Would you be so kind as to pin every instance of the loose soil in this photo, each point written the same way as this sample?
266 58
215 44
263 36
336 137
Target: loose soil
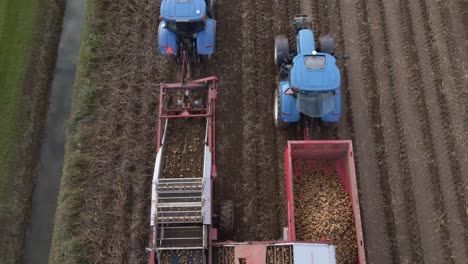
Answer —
404 107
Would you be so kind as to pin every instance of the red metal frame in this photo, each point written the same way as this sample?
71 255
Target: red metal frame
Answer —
186 83
342 152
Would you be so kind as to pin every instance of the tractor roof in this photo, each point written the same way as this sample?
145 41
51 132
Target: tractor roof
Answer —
315 72
183 10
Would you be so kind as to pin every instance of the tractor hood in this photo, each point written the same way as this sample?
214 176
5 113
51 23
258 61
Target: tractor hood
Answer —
183 10
315 73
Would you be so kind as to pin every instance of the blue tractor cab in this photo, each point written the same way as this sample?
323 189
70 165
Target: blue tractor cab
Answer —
310 80
187 25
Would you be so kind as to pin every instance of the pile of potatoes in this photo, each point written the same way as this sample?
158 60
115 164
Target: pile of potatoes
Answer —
283 255
322 208
183 256
223 255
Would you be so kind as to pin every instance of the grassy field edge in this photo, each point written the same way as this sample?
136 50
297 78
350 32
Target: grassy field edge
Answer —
27 111
16 41
66 244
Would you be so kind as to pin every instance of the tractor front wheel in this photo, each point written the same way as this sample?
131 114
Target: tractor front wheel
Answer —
279 124
210 8
281 51
327 44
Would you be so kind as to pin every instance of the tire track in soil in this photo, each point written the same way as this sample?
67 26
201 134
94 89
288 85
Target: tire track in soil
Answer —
284 11
250 118
398 184
227 65
379 248
440 123
269 226
345 126
452 93
249 155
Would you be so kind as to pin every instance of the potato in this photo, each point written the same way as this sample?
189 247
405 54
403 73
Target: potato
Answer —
323 209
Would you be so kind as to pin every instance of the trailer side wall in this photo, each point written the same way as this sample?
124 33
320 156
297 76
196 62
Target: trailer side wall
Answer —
341 151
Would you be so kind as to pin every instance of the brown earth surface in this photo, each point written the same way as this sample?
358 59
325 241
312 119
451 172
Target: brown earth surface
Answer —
405 108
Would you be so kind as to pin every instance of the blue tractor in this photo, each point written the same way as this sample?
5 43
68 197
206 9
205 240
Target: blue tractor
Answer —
309 85
187 26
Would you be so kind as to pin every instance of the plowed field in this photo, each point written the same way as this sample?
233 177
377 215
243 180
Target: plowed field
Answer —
405 103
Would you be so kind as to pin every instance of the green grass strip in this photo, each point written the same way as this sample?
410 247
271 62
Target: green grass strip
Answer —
17 24
67 246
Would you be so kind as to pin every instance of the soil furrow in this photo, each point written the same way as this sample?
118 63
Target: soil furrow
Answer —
420 95
369 62
379 247
453 50
405 239
226 64
415 137
123 192
453 99
123 112
269 226
439 120
98 236
140 175
249 155
345 127
284 12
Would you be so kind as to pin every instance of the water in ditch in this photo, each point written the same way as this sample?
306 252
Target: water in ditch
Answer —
44 200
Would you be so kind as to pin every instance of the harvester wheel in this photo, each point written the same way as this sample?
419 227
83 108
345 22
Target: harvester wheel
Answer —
327 44
281 51
279 124
226 220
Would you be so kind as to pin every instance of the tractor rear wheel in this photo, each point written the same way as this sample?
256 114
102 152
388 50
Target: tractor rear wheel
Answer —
281 51
279 124
327 44
226 220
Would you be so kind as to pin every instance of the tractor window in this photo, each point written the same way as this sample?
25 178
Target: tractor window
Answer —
314 62
315 104
182 28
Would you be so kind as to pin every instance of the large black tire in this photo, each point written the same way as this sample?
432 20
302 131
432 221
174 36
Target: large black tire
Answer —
327 44
279 124
210 8
281 51
226 220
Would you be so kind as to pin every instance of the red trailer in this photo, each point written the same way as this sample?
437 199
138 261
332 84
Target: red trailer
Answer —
339 151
